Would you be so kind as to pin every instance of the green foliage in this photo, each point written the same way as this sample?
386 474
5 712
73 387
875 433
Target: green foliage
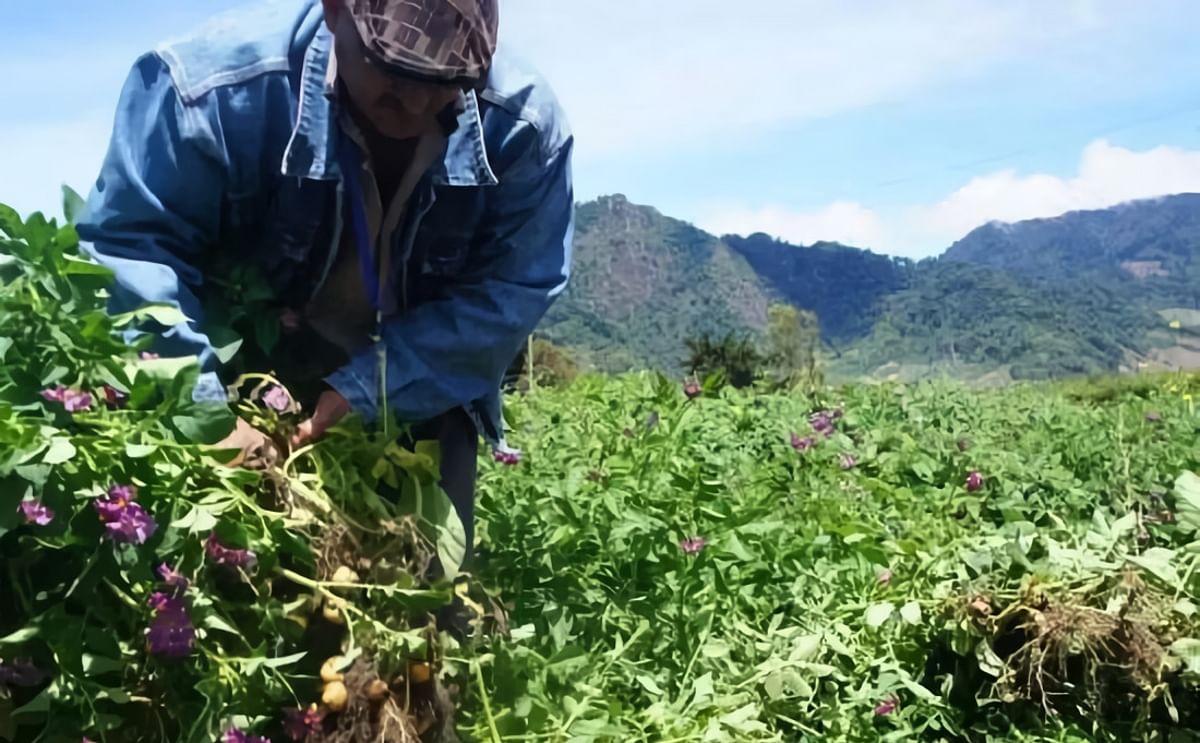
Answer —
877 602
842 285
820 565
1038 299
642 282
82 412
1160 236
792 342
965 314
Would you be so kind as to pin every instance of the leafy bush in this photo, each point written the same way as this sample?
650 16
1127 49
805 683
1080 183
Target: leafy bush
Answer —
791 344
733 358
552 367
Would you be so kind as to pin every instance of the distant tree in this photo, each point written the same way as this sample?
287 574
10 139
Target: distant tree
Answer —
733 357
552 367
792 342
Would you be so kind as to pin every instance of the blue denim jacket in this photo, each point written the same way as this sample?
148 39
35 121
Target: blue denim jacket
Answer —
224 141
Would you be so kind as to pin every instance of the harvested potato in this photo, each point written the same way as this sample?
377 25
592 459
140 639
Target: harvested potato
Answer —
332 611
418 672
335 696
377 690
329 672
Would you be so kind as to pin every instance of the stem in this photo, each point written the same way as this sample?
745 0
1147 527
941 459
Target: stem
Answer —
124 597
529 359
1182 587
18 589
307 493
323 586
86 569
487 704
687 674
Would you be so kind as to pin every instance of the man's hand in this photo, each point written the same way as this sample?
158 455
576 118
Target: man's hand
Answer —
331 408
256 450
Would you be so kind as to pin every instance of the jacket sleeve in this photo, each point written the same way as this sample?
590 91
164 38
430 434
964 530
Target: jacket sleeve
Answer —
155 208
454 350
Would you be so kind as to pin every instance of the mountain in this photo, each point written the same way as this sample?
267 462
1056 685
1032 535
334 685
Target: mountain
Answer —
1084 292
844 286
973 320
1148 249
642 282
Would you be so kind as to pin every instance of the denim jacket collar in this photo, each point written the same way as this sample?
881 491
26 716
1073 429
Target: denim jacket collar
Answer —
310 152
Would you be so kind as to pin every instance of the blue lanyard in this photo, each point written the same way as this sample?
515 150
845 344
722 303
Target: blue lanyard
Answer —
351 164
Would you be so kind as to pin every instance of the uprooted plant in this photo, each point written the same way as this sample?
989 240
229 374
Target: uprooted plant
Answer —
150 592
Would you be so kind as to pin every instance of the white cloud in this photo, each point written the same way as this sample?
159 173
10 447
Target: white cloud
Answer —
1108 174
663 76
842 221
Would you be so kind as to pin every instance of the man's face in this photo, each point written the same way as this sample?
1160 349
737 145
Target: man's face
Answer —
395 107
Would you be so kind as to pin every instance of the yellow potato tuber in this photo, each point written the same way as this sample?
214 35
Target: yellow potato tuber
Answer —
345 575
418 672
332 611
377 690
329 670
335 696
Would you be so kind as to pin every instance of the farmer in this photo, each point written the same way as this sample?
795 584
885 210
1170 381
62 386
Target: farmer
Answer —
403 189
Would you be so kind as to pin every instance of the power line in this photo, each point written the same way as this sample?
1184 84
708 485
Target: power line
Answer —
978 162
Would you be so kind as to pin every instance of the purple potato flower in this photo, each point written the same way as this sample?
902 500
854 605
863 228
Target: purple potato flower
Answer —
73 400
848 462
124 520
173 578
36 513
974 481
887 707
148 356
55 394
227 556
692 545
170 633
821 423
113 504
20 672
133 526
825 422
803 444
277 399
509 458
299 723
692 389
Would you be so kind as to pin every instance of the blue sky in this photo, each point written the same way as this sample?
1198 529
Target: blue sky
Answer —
896 126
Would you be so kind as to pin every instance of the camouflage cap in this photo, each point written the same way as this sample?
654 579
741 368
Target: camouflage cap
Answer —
438 40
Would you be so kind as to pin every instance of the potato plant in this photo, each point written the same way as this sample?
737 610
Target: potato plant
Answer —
666 560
